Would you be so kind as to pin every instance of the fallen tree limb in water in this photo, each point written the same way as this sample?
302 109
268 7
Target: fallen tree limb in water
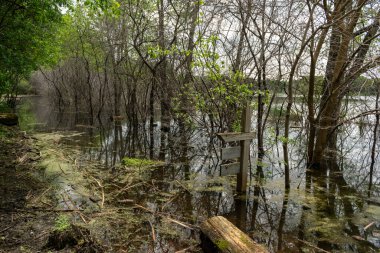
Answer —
227 238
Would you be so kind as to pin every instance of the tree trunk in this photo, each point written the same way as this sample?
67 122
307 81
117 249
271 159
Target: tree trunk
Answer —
341 70
162 78
373 150
151 120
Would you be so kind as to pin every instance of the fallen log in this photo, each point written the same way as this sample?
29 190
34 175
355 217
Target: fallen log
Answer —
220 235
8 119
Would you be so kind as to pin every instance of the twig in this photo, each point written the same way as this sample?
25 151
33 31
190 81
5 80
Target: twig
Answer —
22 159
153 233
5 229
169 201
166 217
82 217
184 250
59 155
125 201
43 202
40 196
179 223
59 165
102 188
41 235
369 226
144 208
33 210
128 187
371 112
313 246
184 187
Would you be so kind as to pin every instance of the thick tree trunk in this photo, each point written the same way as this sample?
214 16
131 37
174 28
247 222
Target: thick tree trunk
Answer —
341 70
328 106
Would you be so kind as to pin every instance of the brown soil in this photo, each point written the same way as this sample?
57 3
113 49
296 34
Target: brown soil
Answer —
27 213
20 229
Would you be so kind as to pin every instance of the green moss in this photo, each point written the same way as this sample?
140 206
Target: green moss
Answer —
244 239
138 162
62 223
221 244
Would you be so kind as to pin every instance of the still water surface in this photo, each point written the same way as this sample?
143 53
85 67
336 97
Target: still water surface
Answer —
320 213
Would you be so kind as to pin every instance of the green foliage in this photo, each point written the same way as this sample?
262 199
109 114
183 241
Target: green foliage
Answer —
4 107
236 127
62 223
24 87
224 92
103 7
27 38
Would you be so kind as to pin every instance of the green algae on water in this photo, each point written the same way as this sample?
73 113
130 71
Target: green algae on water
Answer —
139 162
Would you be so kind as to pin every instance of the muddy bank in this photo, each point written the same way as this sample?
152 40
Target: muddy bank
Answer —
53 200
23 228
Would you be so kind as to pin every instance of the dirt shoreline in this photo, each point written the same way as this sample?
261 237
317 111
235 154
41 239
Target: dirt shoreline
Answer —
30 211
23 229
52 200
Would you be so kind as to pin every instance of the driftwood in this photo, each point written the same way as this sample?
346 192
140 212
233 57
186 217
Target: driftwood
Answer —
8 119
220 235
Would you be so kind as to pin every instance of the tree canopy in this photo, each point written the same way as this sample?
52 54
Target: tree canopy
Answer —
27 31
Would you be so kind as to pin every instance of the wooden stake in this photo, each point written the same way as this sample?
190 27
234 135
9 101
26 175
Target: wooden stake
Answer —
244 151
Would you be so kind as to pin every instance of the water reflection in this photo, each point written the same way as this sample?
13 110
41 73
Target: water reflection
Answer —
323 211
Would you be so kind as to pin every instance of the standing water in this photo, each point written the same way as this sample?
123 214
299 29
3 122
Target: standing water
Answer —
158 206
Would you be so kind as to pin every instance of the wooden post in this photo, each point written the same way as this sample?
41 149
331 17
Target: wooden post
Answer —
244 150
225 237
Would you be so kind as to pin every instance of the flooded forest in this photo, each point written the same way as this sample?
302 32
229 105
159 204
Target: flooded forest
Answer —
129 125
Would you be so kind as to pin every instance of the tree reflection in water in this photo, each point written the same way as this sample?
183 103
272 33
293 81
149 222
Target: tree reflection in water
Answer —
324 211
